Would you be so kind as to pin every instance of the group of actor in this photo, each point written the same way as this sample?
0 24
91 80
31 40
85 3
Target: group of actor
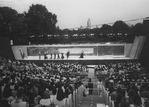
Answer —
53 55
58 55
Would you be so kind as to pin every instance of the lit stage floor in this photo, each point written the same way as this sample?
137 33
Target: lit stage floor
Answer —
106 57
87 60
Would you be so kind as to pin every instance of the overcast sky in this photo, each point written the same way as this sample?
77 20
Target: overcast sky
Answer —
74 13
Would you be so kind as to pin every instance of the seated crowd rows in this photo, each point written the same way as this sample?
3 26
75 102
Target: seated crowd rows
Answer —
127 83
25 84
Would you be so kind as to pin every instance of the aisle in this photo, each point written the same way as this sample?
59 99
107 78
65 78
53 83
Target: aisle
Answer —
91 73
94 98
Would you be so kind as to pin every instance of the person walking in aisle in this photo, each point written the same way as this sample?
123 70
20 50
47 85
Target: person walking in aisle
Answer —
90 85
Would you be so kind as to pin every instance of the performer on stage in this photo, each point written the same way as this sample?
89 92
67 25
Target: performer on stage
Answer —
45 55
82 55
39 55
58 57
23 55
54 55
67 54
50 55
62 55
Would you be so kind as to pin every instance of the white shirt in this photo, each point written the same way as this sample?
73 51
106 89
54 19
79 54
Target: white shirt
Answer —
45 102
60 103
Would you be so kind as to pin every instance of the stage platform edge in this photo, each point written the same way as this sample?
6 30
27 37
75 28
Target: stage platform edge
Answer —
86 61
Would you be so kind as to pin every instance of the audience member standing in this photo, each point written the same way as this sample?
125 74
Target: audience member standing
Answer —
60 98
99 86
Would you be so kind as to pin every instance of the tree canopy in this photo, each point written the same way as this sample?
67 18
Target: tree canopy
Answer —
120 26
7 18
37 21
38 25
40 21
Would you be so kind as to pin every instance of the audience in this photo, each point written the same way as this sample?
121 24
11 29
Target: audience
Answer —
18 102
24 84
130 80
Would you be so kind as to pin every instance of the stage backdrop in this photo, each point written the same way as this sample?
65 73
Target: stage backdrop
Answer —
111 50
74 50
88 49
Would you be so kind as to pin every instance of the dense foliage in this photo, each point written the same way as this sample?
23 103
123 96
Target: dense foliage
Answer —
38 26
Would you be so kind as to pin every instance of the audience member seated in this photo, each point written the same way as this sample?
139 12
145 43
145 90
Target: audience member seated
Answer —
18 102
130 77
123 80
45 99
59 78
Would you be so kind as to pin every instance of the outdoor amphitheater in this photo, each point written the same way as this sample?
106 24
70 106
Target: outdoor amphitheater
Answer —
106 70
74 53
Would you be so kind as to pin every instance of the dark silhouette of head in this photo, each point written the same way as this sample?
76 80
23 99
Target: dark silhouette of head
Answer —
20 93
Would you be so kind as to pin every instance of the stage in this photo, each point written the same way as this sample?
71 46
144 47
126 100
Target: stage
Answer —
88 60
94 54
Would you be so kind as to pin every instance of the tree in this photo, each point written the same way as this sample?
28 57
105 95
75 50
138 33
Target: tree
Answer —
106 28
40 21
120 26
139 29
7 18
19 29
